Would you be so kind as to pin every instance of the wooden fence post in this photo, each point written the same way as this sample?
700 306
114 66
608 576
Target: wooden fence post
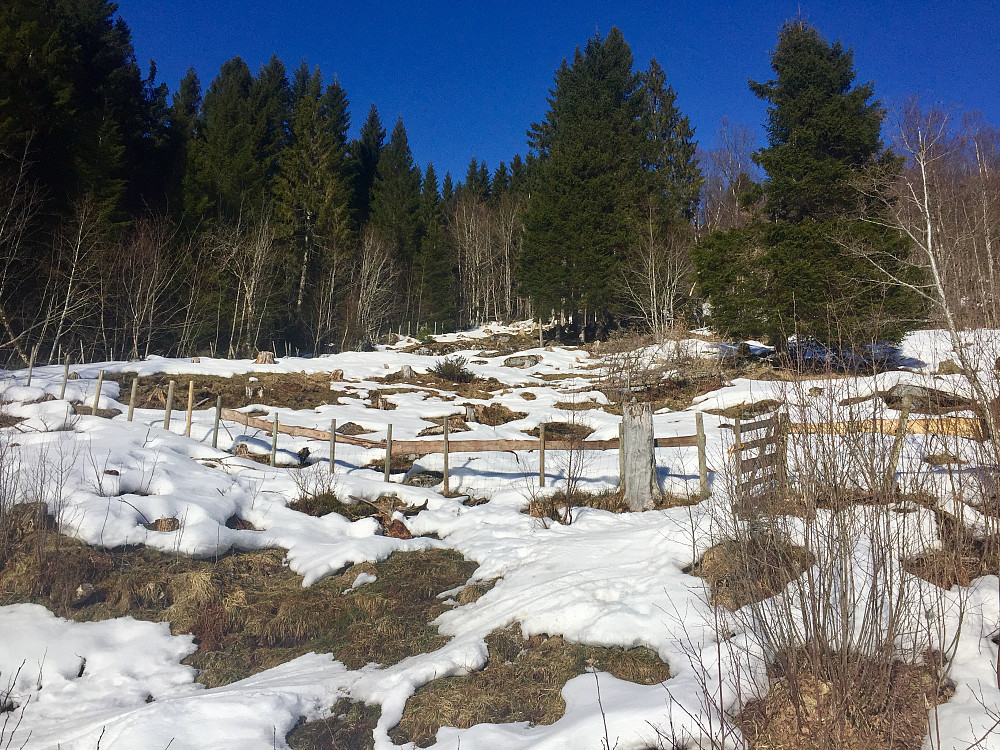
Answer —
699 421
782 448
388 451
169 406
737 448
541 455
132 397
621 457
190 409
897 443
62 391
641 486
445 434
333 445
218 415
274 439
97 393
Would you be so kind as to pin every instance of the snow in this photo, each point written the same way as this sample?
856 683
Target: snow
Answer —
606 579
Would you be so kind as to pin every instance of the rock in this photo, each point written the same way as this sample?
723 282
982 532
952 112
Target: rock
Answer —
424 479
925 400
522 361
83 594
264 358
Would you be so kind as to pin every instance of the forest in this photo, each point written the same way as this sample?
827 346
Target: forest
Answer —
240 216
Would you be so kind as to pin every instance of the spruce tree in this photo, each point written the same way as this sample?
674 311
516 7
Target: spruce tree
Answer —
793 271
434 269
365 152
585 189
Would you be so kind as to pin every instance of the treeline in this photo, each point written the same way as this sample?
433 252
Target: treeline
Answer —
222 219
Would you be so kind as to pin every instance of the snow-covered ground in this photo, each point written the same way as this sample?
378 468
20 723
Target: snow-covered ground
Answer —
606 579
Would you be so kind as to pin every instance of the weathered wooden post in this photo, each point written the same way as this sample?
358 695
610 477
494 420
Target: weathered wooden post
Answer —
97 393
388 452
699 421
445 434
541 335
218 415
621 459
470 413
541 455
737 448
333 445
642 489
190 409
897 443
132 397
784 427
62 391
169 406
274 439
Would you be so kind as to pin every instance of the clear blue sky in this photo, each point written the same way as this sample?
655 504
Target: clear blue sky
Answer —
469 76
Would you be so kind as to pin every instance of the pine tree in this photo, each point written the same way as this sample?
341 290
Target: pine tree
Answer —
365 152
585 189
434 272
793 271
183 118
500 182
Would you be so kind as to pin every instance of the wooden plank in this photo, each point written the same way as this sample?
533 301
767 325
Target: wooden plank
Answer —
677 441
764 460
760 424
964 427
763 442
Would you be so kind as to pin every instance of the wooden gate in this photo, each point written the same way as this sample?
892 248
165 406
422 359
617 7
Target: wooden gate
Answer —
760 455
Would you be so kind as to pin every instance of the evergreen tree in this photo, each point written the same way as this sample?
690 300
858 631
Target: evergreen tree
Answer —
396 199
477 180
500 182
793 271
447 189
183 118
435 262
312 190
669 150
518 175
365 152
583 197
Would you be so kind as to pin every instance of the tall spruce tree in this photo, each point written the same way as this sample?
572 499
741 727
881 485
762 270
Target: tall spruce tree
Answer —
793 271
587 180
312 190
435 280
365 152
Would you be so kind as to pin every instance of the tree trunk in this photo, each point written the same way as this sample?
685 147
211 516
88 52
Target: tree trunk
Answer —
642 489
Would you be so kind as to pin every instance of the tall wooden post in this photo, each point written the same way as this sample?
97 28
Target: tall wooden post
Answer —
218 415
446 454
699 421
169 406
62 391
274 439
621 458
897 443
97 393
784 427
132 397
642 489
388 451
333 445
31 361
190 409
541 455
737 448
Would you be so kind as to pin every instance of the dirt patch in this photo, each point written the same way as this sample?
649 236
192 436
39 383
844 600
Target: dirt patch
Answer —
247 611
350 728
747 411
286 390
750 570
326 502
494 415
563 431
522 681
809 713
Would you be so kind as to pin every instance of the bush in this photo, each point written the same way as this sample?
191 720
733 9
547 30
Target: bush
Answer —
453 369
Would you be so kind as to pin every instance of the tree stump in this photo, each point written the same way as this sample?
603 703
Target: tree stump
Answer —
406 373
642 488
264 358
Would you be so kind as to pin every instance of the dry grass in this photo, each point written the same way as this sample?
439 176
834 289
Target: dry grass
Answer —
350 728
563 431
495 415
286 390
522 681
747 411
750 570
327 502
807 715
248 612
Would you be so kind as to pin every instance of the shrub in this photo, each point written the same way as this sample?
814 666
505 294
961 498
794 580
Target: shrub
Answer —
453 369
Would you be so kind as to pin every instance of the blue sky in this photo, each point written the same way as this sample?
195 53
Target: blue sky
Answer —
469 77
